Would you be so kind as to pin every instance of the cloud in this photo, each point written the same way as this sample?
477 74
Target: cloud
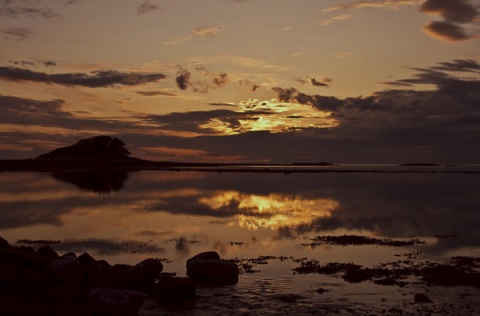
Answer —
46 63
458 11
207 31
314 82
453 13
199 32
147 7
446 31
250 84
464 65
18 33
156 93
335 19
407 121
214 80
97 79
183 78
382 4
26 8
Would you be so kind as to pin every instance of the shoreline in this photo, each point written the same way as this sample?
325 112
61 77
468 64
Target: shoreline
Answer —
134 165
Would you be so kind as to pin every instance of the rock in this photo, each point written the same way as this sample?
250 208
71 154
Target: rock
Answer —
97 276
204 255
67 271
70 255
47 252
288 298
80 310
25 249
63 293
8 273
24 259
115 302
86 259
33 283
146 271
213 271
120 278
177 288
422 298
104 263
4 244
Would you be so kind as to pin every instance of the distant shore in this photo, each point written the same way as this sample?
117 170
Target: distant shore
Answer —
135 164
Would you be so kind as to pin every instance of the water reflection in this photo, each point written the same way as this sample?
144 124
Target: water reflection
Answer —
96 181
272 211
217 208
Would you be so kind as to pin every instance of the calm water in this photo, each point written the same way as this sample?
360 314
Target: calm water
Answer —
125 218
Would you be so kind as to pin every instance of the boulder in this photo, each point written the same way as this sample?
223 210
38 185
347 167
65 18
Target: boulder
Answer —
24 259
213 271
115 302
148 269
86 259
176 288
8 273
120 278
67 271
204 255
47 252
97 276
4 244
64 293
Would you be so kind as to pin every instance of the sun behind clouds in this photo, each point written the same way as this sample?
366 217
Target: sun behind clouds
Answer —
272 116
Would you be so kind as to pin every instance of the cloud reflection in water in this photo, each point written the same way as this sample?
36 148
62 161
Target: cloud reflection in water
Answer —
270 211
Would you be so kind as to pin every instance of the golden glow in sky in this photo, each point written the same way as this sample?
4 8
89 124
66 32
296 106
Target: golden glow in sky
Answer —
272 116
170 78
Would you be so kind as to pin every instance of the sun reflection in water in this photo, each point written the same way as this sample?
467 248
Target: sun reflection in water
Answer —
270 211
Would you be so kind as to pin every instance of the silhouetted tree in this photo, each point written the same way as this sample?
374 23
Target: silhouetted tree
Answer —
98 147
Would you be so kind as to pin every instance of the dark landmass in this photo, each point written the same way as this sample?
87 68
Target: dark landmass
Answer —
108 154
354 240
420 165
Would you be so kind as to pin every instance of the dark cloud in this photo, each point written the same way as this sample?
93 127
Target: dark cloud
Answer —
192 121
435 120
447 31
183 78
458 11
218 79
454 13
156 93
46 63
147 7
215 80
396 84
27 8
18 33
224 104
97 79
467 65
315 83
253 86
22 63
51 113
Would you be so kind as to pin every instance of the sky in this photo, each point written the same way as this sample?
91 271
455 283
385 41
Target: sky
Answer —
244 81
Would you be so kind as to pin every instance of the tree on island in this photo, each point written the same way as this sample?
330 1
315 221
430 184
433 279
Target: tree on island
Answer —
98 147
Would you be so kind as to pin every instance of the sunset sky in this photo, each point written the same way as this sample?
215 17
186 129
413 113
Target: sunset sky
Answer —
372 81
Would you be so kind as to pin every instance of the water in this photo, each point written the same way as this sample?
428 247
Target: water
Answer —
127 217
